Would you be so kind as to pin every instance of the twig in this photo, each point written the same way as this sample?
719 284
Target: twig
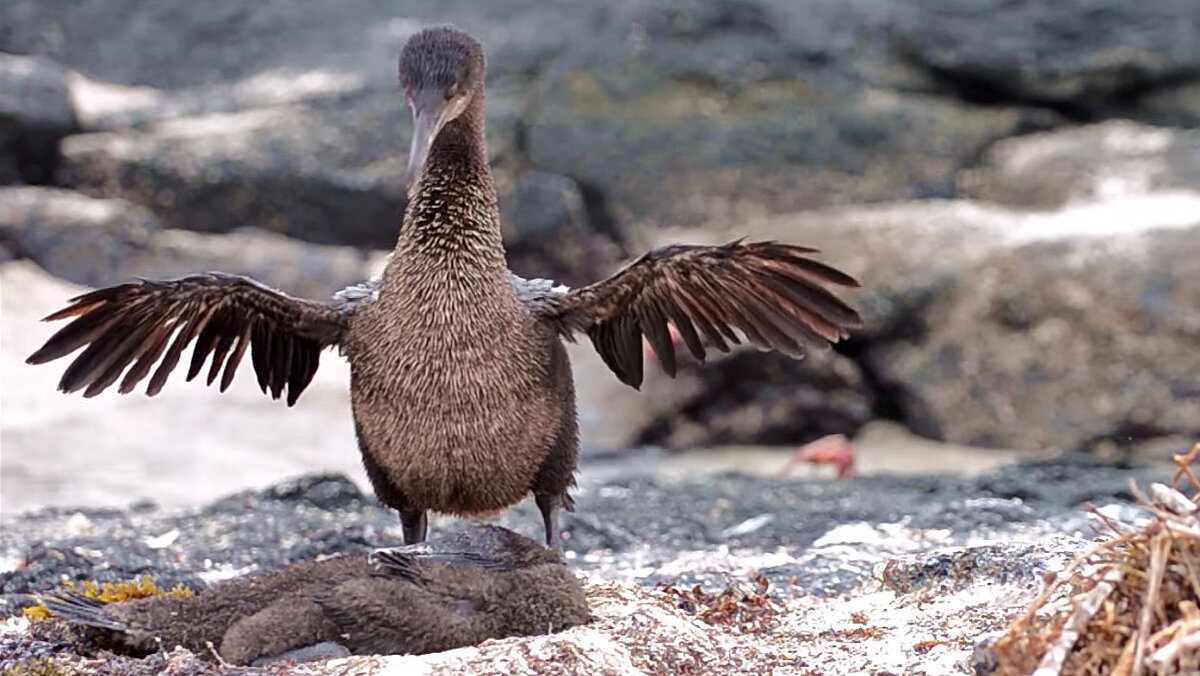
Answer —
1158 567
1184 463
1056 654
1173 500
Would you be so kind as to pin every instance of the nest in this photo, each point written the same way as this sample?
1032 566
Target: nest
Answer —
1129 606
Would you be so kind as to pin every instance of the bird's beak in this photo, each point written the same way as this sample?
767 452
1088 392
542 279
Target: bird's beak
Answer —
431 111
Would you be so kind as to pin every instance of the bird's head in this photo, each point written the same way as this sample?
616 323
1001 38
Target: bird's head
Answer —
441 72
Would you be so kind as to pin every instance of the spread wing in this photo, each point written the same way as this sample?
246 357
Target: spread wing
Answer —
773 293
127 329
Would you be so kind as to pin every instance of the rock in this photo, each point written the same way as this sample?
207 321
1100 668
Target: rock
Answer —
1090 59
309 270
326 173
321 174
550 231
1062 344
906 255
1106 160
1002 328
128 43
1176 106
35 113
689 111
98 242
749 397
84 240
661 112
847 581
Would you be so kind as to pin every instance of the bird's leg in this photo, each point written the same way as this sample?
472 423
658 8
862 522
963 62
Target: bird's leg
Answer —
414 524
548 505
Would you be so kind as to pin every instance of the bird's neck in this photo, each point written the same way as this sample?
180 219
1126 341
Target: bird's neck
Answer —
452 220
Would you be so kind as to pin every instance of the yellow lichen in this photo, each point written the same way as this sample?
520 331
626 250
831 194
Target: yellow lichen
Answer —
40 666
112 592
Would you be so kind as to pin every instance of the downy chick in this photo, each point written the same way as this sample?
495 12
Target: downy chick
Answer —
457 590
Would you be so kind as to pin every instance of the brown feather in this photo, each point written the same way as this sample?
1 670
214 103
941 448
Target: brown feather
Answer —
73 336
119 359
140 322
653 323
206 341
243 342
171 359
224 344
155 344
771 293
82 370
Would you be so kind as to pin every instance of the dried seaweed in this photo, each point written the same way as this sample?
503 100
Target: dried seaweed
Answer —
1129 606
747 610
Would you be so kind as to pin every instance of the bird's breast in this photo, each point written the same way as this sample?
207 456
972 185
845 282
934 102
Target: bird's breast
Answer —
458 418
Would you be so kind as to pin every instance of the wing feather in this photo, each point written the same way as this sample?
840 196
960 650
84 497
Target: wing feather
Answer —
145 326
773 294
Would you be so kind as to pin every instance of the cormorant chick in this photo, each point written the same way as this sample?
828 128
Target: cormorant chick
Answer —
457 590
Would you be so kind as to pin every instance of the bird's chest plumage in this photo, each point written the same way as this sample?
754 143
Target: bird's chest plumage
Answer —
454 396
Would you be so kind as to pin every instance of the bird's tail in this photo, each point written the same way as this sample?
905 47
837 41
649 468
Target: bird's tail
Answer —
79 609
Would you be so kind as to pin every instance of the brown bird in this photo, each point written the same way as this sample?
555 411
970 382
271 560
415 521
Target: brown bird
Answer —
457 590
461 389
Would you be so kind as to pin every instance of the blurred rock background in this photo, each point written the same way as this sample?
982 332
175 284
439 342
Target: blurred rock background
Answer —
1017 184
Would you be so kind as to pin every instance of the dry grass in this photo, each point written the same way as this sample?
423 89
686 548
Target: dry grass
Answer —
1129 606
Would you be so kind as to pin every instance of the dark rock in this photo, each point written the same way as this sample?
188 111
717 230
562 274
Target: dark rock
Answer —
749 397
35 113
1089 59
940 572
1175 106
822 575
127 42
984 661
983 512
549 232
674 142
46 565
327 174
671 112
324 491
1075 479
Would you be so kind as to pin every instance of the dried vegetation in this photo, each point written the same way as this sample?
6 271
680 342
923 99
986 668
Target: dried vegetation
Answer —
1129 606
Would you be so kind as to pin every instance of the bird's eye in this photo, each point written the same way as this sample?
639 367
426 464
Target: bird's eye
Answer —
451 91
